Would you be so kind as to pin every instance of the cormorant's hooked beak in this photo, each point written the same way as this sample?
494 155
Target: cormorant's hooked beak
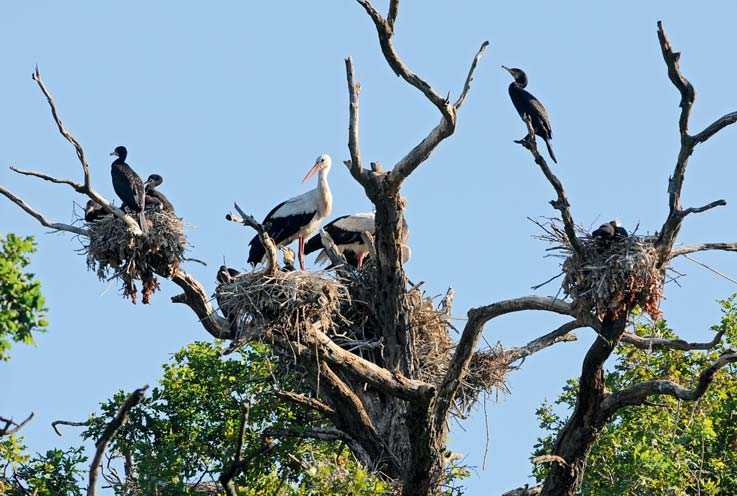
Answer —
114 154
508 69
314 169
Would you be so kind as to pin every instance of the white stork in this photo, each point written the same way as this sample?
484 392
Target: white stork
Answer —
346 233
297 217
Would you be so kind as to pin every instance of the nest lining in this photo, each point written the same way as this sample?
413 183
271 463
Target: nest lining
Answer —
112 252
611 276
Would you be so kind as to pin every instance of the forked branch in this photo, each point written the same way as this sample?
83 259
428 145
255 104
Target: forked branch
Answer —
269 245
57 226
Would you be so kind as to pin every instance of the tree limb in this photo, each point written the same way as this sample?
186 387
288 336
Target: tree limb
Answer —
40 217
477 317
112 428
354 165
645 343
321 433
562 333
196 298
685 250
67 422
272 264
7 430
300 399
561 203
639 393
715 127
698 210
469 78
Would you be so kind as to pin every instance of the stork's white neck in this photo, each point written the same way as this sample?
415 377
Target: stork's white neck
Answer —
326 197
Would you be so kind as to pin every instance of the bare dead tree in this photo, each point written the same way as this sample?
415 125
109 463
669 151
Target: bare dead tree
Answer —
394 421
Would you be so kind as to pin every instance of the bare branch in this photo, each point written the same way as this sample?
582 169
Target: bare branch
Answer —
196 298
392 57
66 422
40 217
477 317
685 250
688 93
469 78
561 203
79 188
7 430
645 343
354 165
560 334
36 76
715 127
639 393
331 249
112 428
393 12
321 433
269 246
305 401
698 210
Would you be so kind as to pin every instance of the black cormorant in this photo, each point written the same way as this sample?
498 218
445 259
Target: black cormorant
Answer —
93 211
529 106
611 231
128 185
226 275
154 181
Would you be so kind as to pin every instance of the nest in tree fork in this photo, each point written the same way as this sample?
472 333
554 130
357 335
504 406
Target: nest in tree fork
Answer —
345 306
113 252
612 276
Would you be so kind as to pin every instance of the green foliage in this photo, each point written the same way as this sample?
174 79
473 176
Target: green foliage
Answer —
21 303
675 448
187 429
54 473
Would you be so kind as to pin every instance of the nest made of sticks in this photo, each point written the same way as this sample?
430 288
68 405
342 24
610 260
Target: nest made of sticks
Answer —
112 252
282 301
611 276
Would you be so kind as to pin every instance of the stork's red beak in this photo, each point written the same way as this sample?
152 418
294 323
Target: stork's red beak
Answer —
314 169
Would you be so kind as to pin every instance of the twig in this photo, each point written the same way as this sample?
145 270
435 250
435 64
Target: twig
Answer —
711 269
305 401
66 422
469 78
7 430
685 250
112 428
645 343
40 217
269 245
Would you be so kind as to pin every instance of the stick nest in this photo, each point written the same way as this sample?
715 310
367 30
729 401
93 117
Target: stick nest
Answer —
345 304
113 253
611 276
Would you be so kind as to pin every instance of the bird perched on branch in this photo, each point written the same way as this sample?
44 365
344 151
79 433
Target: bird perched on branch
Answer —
610 231
156 197
530 107
346 232
297 217
128 185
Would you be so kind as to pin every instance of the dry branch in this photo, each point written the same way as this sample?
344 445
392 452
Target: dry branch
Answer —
40 217
685 250
300 399
647 343
271 252
639 393
66 422
196 298
561 334
8 430
112 428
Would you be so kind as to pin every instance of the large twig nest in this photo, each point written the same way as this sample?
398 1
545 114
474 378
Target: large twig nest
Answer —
285 301
112 252
611 276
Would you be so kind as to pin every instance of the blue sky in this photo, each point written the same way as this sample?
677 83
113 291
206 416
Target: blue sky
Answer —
233 101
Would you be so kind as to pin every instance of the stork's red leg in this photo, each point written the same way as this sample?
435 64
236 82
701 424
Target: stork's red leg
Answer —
360 259
301 253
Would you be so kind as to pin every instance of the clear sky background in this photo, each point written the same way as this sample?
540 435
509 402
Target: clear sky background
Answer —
232 101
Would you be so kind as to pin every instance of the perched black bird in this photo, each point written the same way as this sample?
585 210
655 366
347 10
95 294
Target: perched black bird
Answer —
128 185
529 106
154 181
226 275
288 257
611 231
93 211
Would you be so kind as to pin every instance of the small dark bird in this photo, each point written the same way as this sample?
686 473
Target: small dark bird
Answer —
611 231
128 185
288 257
93 211
226 275
154 181
529 106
